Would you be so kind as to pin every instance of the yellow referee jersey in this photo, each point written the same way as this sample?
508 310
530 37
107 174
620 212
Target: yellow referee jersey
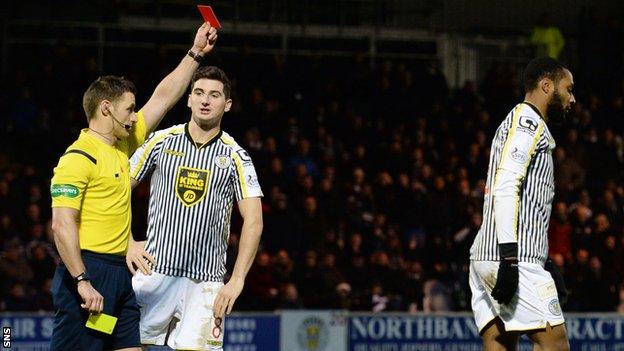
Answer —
93 178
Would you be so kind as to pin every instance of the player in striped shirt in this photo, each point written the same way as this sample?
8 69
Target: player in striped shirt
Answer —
514 285
197 173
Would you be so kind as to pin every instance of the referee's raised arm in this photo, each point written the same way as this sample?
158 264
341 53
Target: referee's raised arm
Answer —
171 88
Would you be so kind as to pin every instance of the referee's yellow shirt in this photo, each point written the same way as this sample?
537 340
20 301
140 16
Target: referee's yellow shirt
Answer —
93 178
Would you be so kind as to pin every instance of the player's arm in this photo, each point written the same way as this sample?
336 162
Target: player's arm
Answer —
136 257
142 163
65 230
143 160
518 151
171 88
251 211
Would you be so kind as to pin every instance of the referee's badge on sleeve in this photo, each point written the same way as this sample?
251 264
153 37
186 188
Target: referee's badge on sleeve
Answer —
191 185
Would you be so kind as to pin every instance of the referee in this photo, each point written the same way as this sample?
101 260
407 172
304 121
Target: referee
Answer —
197 173
514 287
91 207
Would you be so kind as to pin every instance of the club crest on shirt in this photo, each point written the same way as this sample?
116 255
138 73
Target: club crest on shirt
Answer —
223 161
191 185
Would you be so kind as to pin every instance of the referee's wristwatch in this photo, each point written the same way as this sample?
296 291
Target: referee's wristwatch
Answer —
196 56
81 277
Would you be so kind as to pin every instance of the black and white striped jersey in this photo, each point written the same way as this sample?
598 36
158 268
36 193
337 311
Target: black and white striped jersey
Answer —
519 190
192 192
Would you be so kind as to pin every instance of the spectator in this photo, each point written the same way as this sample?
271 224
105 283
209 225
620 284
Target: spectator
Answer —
620 306
547 38
289 298
14 267
330 278
262 288
560 231
569 175
307 279
313 224
379 300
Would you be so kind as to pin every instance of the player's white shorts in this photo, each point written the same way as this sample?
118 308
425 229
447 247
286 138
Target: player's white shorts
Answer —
184 303
534 305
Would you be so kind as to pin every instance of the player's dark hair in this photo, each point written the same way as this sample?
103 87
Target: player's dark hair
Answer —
214 73
539 68
105 88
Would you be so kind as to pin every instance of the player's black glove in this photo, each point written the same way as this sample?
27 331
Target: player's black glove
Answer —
562 292
507 277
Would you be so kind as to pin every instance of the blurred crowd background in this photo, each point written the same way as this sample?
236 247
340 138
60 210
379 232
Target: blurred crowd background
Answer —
373 174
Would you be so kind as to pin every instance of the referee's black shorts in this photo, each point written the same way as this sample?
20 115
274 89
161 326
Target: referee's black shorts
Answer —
110 277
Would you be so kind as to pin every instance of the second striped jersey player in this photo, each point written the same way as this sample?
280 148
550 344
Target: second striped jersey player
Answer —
197 174
515 288
520 175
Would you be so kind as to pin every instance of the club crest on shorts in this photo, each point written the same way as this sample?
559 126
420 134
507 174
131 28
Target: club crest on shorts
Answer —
191 184
554 308
313 334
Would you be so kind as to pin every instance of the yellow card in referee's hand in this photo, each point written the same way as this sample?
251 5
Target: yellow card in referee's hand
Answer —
101 322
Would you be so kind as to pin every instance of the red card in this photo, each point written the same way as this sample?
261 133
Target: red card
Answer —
209 15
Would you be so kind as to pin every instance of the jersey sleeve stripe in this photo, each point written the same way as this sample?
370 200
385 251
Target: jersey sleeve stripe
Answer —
241 175
514 125
538 135
510 136
226 140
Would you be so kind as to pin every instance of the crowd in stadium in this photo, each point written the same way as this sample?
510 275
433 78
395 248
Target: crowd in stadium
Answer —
373 178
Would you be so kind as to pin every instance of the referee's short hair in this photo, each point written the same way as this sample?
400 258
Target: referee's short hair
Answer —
105 88
214 73
539 68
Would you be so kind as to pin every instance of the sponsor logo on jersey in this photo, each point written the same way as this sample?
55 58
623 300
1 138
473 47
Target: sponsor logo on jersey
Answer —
66 190
191 185
527 125
173 152
244 156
